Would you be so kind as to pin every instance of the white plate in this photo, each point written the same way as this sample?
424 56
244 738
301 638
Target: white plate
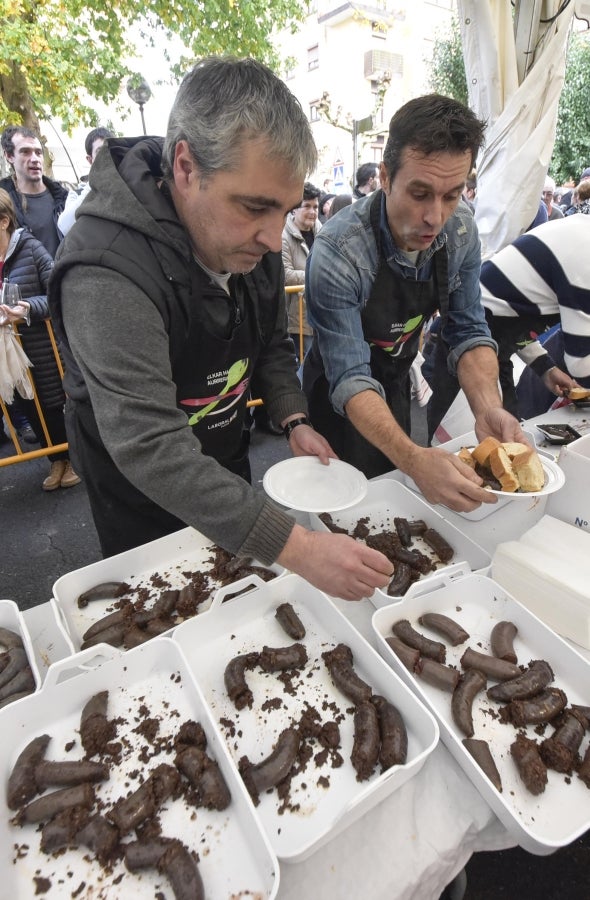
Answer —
304 483
554 480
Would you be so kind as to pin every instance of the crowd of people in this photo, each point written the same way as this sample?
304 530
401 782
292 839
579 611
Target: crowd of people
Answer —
167 295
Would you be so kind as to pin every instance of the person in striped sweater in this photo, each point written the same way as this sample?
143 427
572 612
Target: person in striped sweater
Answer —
540 280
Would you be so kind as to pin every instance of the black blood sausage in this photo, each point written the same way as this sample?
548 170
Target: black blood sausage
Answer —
542 708
365 746
436 542
392 731
275 767
432 649
339 664
290 621
470 684
502 641
530 682
498 669
481 753
444 626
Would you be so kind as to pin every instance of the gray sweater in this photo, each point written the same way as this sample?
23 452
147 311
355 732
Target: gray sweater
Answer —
120 341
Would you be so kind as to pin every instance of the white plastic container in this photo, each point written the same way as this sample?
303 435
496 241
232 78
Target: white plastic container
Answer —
12 619
235 858
539 824
164 562
328 799
387 499
572 503
547 571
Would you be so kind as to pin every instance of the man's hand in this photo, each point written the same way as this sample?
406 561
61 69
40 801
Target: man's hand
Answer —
336 563
304 441
557 381
500 424
443 478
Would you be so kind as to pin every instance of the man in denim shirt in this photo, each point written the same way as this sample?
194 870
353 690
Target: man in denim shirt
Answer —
377 272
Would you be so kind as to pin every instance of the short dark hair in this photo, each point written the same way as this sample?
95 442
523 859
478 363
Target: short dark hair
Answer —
7 139
94 135
432 124
365 172
310 191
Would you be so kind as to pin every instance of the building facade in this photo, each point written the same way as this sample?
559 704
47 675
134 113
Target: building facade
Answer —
351 65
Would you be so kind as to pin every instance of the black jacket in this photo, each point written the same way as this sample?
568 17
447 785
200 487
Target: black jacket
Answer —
29 265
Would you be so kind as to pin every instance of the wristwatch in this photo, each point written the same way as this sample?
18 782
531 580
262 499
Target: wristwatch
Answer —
301 420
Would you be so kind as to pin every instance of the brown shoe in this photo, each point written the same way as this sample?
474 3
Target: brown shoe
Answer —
55 476
69 477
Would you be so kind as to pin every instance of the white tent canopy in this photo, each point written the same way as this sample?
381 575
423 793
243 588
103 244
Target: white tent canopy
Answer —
515 69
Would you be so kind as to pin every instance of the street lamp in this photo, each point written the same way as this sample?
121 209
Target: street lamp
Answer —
140 92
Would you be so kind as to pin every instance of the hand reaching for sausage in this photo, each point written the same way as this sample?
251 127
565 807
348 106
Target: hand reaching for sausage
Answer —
443 478
336 563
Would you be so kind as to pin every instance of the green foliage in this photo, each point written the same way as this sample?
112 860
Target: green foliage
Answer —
571 153
56 55
447 66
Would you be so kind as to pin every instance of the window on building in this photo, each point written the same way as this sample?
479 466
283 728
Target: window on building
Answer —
313 58
314 112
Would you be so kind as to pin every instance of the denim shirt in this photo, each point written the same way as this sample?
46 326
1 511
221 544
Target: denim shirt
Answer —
339 276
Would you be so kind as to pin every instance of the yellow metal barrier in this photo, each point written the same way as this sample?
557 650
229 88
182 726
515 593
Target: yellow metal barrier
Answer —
298 289
21 455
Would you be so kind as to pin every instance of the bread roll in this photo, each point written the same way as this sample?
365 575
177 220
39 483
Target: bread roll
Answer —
528 470
466 456
502 469
481 453
513 448
578 393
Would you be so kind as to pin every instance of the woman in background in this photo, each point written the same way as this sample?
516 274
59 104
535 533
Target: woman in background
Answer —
26 262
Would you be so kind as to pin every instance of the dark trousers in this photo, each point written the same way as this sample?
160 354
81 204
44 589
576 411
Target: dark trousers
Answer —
55 422
444 386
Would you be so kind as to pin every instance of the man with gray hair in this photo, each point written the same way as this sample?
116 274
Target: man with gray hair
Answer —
168 298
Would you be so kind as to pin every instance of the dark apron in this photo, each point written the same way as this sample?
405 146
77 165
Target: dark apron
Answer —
124 517
392 320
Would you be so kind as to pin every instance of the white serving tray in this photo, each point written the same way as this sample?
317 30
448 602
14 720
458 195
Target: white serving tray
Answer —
235 858
12 618
387 499
169 557
248 623
540 824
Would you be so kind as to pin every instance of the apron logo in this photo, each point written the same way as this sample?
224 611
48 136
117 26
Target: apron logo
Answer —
234 387
396 347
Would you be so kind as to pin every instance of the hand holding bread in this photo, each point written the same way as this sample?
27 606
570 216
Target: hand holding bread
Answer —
513 465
